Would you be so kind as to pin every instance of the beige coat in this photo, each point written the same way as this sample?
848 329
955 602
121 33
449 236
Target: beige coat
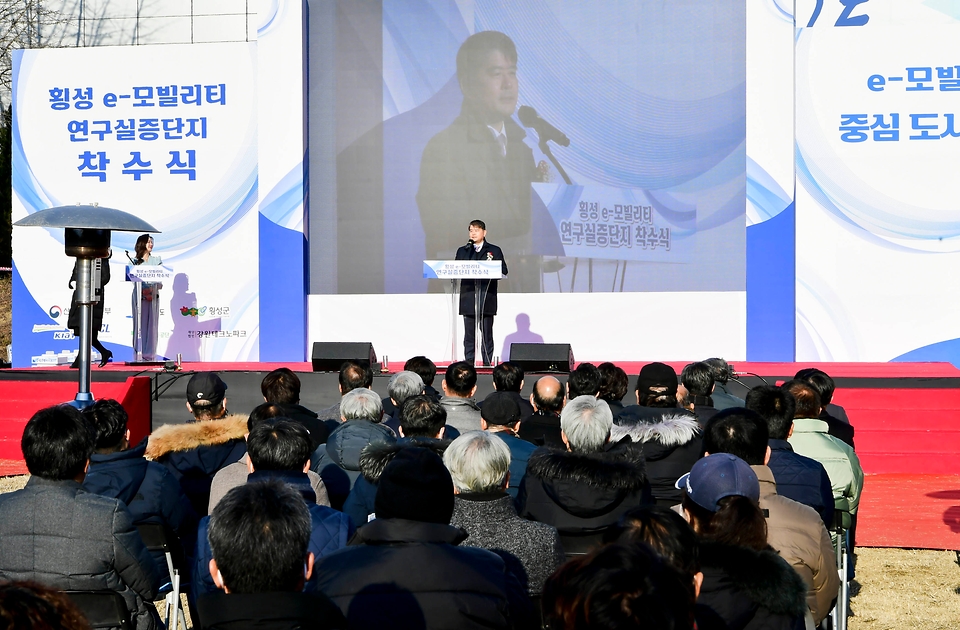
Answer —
797 533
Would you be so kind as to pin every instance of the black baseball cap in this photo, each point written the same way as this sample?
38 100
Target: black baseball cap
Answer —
205 389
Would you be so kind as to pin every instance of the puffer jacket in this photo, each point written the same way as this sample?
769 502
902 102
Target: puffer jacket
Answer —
195 451
744 589
57 533
583 494
802 479
338 461
672 443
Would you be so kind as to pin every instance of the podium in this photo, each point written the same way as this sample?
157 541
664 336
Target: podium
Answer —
455 271
138 275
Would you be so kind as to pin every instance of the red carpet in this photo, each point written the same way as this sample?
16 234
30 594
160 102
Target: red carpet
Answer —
910 511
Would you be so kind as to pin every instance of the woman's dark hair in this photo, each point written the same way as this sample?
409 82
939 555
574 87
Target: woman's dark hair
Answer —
613 382
665 531
141 247
738 521
623 585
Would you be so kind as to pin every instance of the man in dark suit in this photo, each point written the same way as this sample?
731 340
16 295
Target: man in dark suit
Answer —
479 249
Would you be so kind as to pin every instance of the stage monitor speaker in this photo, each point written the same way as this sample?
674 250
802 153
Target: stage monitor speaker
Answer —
542 357
328 356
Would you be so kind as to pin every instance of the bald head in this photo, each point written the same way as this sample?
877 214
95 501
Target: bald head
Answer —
548 395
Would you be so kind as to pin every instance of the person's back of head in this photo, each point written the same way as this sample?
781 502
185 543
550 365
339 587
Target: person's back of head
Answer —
500 409
361 404
354 374
57 443
548 394
404 385
415 486
109 420
206 396
820 381
618 586
32 606
263 412
281 386
276 444
508 377
583 381
460 380
805 397
422 416
776 406
657 386
259 535
665 531
722 371
721 501
479 462
424 367
697 379
613 382
739 432
586 422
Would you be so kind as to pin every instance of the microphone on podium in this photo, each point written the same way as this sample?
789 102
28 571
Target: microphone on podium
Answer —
531 119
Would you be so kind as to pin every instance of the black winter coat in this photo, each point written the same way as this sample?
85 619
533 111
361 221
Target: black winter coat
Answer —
744 589
802 479
398 573
583 494
338 461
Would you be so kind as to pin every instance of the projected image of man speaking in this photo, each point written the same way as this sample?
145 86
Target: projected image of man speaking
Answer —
479 166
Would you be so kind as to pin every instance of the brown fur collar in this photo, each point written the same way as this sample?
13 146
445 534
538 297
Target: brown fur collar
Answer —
171 438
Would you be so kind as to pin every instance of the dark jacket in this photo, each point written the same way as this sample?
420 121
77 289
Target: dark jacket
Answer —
268 611
520 452
361 502
839 429
338 461
583 494
195 451
542 429
531 550
487 288
802 479
331 530
744 589
150 492
723 399
672 443
310 420
526 409
407 574
57 533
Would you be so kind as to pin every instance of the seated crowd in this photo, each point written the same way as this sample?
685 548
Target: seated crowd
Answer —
427 508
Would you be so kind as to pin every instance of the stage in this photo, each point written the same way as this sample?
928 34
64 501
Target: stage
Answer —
906 415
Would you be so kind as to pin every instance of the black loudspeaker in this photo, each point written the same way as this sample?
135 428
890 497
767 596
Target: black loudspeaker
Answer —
328 356
542 357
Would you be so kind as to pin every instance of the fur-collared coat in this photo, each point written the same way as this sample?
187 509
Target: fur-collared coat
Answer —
583 494
745 589
195 451
672 443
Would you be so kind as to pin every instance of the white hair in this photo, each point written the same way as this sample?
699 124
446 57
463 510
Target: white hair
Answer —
361 403
478 461
404 385
586 421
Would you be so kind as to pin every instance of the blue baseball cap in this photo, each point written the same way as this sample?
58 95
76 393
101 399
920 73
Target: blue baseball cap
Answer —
717 476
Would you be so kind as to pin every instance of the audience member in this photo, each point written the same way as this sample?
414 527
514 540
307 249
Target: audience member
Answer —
722 373
353 375
799 478
427 370
619 586
402 385
259 536
279 449
508 378
838 425
379 581
338 461
670 437
613 386
33 606
543 427
480 466
794 530
56 533
696 390
195 451
150 492
282 387
459 386
745 583
235 474
583 490
811 439
501 416
583 381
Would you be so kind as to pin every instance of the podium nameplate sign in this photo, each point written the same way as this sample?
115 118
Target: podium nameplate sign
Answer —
148 273
463 269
